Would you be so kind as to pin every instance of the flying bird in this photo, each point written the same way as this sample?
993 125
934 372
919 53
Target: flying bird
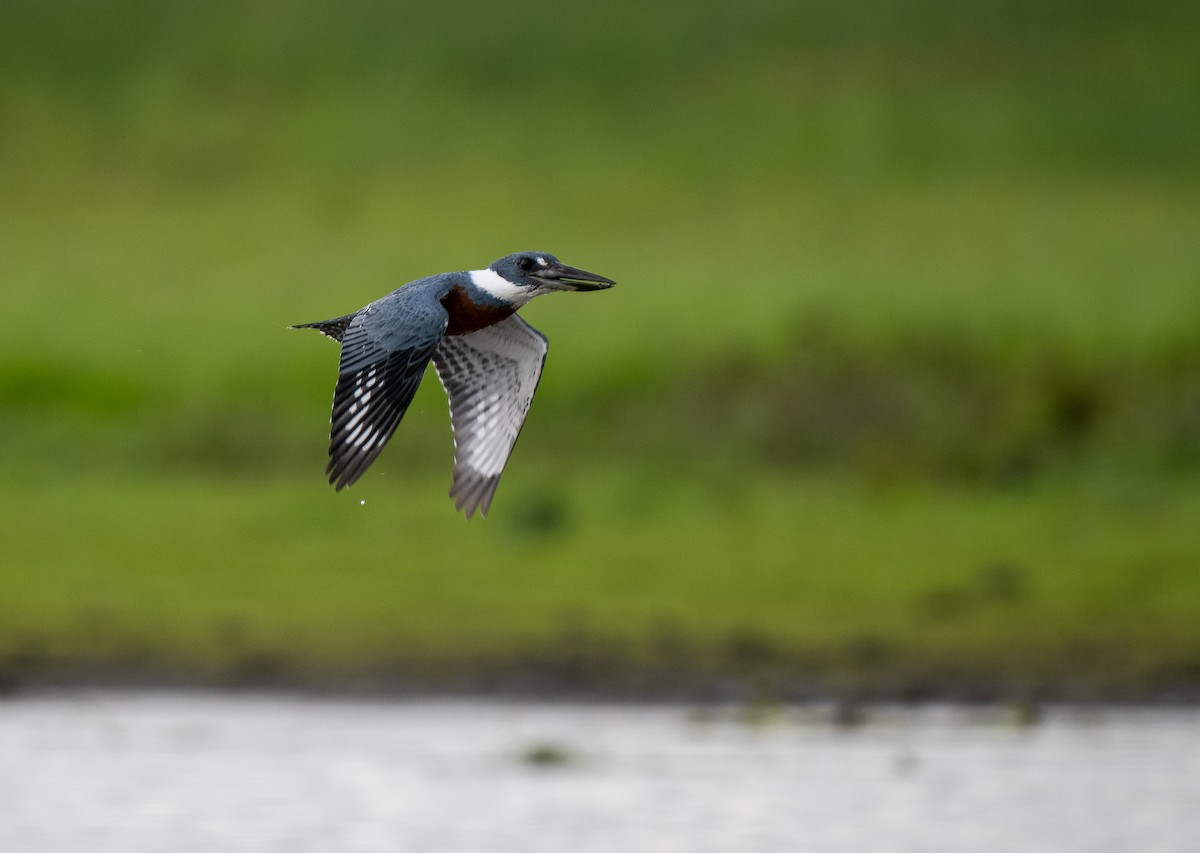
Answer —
488 359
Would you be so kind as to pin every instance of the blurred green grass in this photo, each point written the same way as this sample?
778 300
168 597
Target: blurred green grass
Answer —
609 584
888 272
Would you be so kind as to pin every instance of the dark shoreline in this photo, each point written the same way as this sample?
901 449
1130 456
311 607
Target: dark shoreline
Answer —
555 682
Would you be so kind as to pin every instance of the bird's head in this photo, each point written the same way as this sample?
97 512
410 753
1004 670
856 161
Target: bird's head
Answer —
542 273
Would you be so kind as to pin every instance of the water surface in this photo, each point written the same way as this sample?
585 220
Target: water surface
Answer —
130 772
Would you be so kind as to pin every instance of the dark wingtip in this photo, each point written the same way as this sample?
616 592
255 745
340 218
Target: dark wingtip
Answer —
473 493
344 471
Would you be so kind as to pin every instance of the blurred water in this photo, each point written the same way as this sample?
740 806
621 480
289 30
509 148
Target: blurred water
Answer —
178 772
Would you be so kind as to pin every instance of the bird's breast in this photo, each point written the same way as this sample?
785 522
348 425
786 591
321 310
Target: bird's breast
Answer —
466 316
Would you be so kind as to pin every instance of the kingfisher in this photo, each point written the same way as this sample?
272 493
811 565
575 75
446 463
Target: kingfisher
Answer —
488 359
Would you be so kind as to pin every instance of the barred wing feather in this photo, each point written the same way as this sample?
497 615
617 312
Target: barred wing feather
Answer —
377 378
490 376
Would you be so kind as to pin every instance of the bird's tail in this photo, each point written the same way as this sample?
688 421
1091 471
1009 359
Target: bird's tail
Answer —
335 328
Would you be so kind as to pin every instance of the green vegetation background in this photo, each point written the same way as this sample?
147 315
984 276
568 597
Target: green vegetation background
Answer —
899 391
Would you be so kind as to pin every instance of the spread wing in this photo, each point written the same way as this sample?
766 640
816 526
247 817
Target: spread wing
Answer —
490 376
385 349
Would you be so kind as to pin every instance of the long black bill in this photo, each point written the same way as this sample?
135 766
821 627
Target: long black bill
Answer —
563 277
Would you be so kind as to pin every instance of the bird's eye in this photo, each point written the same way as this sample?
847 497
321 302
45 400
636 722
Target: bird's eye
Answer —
525 264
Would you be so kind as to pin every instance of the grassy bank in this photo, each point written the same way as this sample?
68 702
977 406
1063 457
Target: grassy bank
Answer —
638 586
